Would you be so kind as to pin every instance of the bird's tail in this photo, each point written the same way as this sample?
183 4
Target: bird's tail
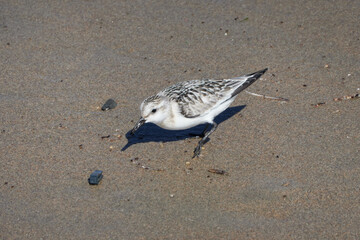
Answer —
249 79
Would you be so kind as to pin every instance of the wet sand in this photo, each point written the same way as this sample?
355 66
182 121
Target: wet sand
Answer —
293 169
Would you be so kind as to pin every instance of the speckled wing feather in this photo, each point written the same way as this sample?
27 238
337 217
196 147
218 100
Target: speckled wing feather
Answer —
197 96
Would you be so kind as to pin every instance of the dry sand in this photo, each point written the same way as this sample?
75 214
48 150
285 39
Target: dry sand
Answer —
293 168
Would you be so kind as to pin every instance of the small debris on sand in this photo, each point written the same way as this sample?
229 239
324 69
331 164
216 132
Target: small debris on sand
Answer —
137 163
347 97
318 104
218 171
268 97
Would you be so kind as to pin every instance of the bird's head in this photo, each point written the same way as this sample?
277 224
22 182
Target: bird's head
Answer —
154 109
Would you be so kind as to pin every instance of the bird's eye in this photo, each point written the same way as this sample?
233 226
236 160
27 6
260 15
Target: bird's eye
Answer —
154 110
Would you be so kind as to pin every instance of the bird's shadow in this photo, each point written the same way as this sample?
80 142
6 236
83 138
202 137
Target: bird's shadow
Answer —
151 133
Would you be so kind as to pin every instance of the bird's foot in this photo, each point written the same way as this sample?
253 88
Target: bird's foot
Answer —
197 150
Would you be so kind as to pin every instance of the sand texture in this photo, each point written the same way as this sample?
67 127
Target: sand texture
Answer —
292 168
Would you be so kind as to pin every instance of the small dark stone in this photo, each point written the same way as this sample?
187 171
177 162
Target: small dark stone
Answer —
95 177
110 104
8 44
304 85
6 183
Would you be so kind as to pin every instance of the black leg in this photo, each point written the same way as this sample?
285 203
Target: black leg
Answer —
204 139
204 132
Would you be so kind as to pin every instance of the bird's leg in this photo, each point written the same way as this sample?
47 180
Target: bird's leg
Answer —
204 139
204 132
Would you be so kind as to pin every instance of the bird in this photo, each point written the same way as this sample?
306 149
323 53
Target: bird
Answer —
191 103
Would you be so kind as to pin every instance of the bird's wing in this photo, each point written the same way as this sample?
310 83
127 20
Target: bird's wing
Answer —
198 96
246 81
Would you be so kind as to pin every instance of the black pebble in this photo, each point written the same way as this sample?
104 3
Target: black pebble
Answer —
95 177
110 104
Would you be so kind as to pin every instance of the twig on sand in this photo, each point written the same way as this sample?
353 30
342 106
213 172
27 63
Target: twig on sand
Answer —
268 97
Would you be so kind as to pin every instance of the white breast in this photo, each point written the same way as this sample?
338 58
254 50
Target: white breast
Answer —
176 121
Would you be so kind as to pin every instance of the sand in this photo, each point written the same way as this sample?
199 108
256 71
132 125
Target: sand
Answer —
293 168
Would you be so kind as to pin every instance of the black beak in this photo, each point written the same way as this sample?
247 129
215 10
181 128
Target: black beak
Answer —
138 125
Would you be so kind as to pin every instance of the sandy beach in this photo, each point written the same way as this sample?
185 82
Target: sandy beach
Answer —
292 168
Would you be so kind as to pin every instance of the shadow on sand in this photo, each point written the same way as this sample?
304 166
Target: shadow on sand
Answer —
151 133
